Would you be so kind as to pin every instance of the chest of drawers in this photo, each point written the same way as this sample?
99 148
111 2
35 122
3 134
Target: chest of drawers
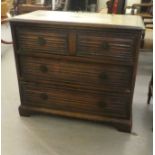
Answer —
78 65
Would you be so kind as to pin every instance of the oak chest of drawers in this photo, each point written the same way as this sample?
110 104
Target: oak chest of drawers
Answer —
78 65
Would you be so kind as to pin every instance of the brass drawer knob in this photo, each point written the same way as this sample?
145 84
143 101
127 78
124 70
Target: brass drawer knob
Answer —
43 68
103 76
105 45
44 96
41 41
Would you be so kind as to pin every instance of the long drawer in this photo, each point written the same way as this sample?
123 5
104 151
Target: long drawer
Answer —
42 40
106 45
77 74
64 98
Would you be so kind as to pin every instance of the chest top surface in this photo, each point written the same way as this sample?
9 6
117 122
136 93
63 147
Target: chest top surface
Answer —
81 19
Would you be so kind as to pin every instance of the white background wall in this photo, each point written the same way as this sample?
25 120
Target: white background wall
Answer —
102 4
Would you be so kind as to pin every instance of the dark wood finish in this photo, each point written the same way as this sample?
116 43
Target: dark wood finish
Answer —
72 43
26 6
81 71
42 40
76 100
106 44
86 75
150 90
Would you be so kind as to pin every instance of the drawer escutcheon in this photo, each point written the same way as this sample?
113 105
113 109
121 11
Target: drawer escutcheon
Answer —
41 41
105 45
44 96
102 104
103 76
43 69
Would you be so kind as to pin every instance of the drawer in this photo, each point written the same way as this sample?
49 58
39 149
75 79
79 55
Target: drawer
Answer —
67 99
42 40
106 45
77 74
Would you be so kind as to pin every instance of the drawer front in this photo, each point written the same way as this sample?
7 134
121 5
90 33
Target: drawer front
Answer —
64 98
106 45
42 40
77 74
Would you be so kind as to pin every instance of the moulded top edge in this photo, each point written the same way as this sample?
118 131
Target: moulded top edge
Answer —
82 19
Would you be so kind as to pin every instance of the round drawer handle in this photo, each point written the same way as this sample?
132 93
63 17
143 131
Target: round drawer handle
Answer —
43 68
41 41
102 104
105 45
103 76
44 96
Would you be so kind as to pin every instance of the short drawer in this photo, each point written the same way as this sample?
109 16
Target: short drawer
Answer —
42 40
106 45
67 99
77 74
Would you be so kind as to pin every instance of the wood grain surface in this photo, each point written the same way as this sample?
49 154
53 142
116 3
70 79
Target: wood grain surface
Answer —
77 68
